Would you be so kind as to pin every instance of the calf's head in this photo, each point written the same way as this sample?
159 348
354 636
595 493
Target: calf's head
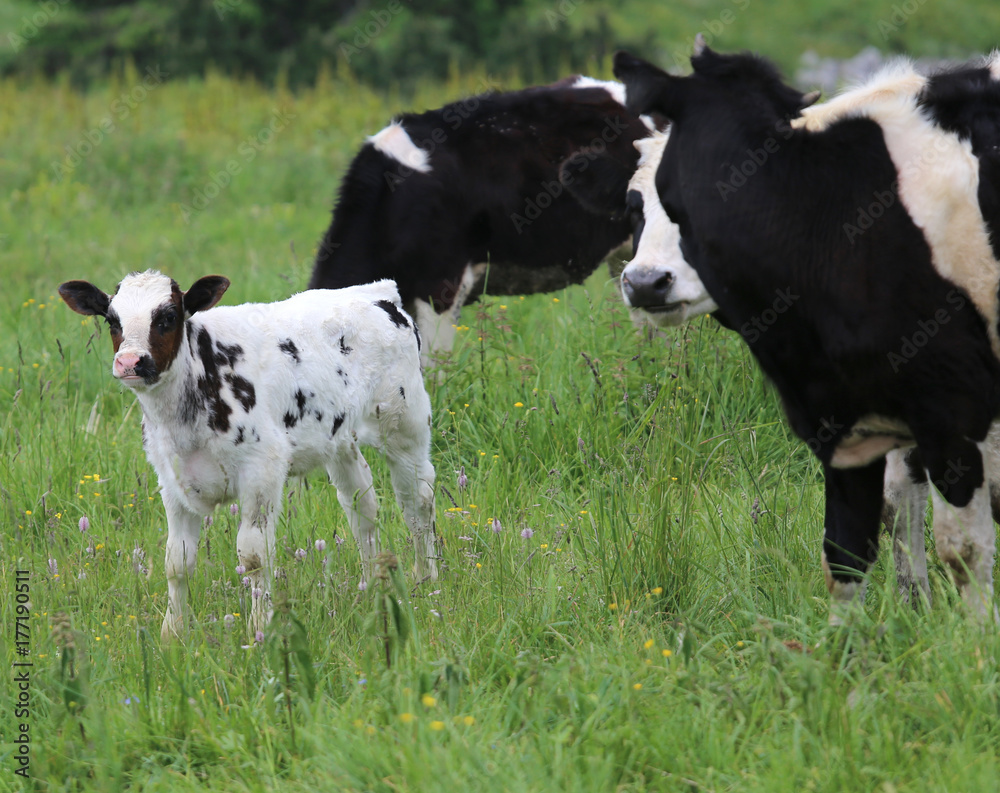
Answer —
146 318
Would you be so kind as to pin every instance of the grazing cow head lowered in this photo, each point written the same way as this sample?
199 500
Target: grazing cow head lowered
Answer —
146 317
467 198
767 215
236 399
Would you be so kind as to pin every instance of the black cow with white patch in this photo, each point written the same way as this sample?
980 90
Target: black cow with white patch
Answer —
770 213
435 197
237 398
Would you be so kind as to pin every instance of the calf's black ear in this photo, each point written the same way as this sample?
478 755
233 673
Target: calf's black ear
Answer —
597 182
85 298
648 89
205 293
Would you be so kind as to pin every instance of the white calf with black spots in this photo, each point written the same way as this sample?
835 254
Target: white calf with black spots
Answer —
238 398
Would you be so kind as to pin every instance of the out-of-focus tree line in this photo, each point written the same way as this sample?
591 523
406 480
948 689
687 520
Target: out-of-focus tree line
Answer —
398 42
380 41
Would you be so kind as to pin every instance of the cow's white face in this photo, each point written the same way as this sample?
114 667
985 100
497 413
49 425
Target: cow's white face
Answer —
658 285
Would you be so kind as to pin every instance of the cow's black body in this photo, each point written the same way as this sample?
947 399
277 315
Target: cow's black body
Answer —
492 195
850 301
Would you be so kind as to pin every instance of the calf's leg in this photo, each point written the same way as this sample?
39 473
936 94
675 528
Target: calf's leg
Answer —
407 451
183 531
350 474
260 497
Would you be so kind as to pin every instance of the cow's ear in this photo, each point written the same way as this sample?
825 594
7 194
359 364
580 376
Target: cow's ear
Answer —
85 298
597 182
648 89
810 99
205 293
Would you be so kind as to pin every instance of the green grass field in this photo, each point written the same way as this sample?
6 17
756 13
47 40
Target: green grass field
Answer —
663 627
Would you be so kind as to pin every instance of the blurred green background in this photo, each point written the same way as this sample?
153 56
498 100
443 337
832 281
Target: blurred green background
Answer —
399 42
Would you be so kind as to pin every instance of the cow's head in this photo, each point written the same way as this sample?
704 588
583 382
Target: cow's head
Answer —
146 318
725 95
744 80
658 285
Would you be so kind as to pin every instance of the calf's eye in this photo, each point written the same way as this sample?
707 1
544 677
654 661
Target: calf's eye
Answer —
166 322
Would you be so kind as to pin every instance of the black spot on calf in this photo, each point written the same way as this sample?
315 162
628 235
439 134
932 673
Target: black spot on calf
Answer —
291 420
344 348
239 437
394 313
288 348
337 422
243 390
209 385
228 354
402 392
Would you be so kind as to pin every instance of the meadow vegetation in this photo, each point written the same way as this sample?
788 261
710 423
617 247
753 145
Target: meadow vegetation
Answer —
632 597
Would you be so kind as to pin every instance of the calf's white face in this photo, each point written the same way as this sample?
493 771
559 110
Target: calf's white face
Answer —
146 319
658 285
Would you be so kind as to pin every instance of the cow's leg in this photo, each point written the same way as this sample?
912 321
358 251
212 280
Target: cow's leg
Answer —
407 451
906 490
438 330
850 542
992 456
350 474
260 497
183 530
963 524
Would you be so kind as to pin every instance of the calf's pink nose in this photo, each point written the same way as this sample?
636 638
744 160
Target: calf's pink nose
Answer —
125 364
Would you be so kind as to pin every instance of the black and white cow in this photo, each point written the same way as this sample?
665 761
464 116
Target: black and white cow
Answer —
661 289
236 399
435 197
887 333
